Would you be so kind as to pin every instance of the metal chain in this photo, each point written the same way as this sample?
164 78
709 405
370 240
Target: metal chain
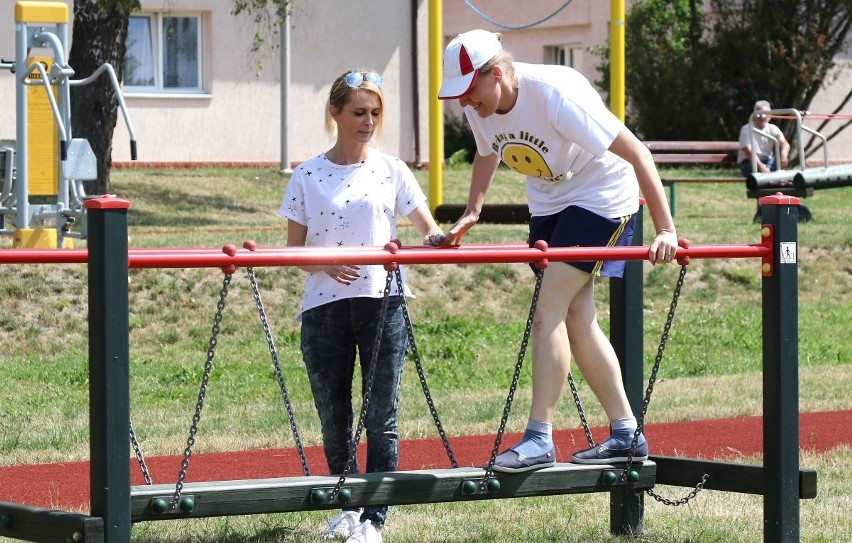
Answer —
202 392
653 378
683 501
651 381
507 408
421 374
647 400
273 352
139 457
580 410
368 387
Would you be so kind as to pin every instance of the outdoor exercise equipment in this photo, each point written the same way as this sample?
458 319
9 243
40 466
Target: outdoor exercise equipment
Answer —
627 472
800 181
176 501
115 505
293 494
824 178
43 193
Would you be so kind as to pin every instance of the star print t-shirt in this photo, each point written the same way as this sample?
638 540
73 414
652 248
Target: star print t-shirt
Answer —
557 135
350 206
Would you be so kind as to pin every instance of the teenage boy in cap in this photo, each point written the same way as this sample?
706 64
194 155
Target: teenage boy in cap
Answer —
584 170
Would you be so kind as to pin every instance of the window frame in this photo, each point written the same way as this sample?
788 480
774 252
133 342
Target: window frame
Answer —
156 22
566 54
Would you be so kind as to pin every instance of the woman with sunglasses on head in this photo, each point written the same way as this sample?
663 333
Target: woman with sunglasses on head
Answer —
349 196
584 170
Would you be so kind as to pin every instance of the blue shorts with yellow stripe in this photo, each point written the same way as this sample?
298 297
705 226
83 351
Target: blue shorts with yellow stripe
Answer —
578 227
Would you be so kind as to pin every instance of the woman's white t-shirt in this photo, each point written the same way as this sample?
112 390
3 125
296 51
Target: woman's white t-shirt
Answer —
350 206
557 134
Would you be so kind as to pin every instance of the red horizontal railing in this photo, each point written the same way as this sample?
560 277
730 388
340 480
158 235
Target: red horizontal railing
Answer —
229 255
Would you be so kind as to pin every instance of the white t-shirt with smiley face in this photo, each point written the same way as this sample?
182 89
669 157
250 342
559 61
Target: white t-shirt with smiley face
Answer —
557 135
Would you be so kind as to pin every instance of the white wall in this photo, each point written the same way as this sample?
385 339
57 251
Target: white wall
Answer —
839 83
239 120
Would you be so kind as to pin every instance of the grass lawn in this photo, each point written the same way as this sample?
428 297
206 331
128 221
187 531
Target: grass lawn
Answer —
468 321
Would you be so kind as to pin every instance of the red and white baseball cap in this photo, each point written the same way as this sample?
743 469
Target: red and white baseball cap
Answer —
463 57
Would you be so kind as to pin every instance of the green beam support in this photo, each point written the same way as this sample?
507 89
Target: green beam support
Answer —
725 476
625 332
781 370
27 523
109 366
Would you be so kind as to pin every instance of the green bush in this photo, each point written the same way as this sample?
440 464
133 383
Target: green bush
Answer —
458 137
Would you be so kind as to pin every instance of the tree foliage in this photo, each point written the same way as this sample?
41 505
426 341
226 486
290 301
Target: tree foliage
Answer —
665 80
785 51
695 74
267 16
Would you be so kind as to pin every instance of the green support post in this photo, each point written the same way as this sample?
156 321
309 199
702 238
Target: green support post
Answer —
109 367
625 333
780 370
672 196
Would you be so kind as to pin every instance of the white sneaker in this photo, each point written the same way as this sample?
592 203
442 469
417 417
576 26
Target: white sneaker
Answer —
343 525
365 532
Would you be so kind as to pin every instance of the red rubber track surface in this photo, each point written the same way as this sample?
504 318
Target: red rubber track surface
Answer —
66 485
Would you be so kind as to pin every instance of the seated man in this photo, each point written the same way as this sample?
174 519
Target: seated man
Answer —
764 146
765 151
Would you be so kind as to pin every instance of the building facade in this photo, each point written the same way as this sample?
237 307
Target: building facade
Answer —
196 93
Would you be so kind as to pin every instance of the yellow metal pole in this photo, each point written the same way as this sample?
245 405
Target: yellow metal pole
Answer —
616 58
436 110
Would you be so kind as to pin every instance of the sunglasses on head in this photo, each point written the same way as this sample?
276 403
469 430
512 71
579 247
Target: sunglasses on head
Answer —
355 79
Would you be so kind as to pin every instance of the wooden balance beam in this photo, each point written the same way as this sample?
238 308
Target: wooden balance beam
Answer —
289 494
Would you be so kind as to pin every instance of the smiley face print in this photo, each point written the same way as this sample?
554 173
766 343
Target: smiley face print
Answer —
526 160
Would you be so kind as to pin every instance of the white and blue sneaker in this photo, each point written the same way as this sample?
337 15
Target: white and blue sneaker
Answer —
365 532
343 525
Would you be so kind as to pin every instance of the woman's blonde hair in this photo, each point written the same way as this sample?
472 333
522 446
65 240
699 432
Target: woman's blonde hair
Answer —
341 93
504 60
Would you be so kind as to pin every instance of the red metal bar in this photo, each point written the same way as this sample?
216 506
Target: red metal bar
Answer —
307 256
44 256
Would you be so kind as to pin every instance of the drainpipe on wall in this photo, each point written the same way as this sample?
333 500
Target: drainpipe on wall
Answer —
284 59
415 84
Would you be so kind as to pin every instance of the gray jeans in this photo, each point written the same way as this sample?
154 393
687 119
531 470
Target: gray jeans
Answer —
332 334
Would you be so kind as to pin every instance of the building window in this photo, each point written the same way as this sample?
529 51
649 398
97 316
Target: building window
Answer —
564 55
163 54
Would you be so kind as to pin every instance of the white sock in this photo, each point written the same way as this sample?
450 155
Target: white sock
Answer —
626 423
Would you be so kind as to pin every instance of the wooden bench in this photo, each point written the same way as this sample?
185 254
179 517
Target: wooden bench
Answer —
694 153
724 153
682 153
